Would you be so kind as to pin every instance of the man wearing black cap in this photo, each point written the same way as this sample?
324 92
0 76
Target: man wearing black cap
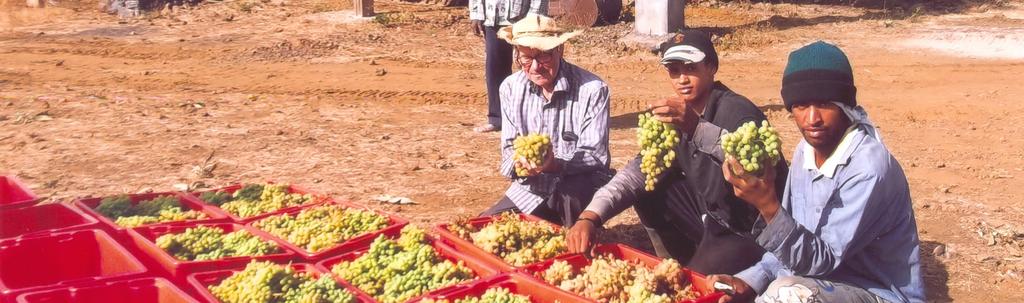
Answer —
844 229
692 212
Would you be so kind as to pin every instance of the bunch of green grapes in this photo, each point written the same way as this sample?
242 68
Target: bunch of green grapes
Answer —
520 242
657 142
324 226
210 243
398 270
531 147
607 279
250 192
492 295
157 210
462 228
754 147
265 282
216 198
245 203
167 215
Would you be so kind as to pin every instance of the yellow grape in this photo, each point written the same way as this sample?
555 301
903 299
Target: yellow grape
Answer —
754 147
612 280
531 147
657 142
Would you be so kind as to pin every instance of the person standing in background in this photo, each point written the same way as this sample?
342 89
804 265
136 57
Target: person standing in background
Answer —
486 17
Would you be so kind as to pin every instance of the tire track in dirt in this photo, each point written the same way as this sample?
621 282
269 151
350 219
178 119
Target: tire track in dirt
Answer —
406 97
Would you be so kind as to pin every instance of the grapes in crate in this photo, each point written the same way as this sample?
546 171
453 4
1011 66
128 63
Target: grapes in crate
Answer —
267 282
611 280
157 210
533 148
256 199
517 241
204 243
398 270
322 227
492 295
657 142
753 146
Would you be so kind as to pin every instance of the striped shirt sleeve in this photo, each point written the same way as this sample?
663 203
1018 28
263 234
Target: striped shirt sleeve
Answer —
591 152
508 131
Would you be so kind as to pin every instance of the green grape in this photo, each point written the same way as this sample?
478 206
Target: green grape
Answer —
153 207
216 198
531 147
558 272
492 295
268 282
520 242
249 192
462 228
754 147
114 207
398 270
607 279
657 142
272 197
322 227
167 215
158 210
210 243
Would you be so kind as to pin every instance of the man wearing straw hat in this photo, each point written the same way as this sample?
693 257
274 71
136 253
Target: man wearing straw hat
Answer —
553 97
486 17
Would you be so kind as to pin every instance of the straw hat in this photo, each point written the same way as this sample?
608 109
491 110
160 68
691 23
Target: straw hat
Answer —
536 31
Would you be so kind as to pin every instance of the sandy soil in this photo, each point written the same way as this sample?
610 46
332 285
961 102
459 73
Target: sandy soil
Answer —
295 91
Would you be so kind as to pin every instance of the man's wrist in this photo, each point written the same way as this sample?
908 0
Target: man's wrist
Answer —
592 221
769 210
587 215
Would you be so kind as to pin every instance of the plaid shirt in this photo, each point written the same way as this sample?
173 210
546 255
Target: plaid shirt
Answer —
576 119
504 12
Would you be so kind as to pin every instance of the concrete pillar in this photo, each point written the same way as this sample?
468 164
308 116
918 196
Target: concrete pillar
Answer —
659 17
364 8
656 21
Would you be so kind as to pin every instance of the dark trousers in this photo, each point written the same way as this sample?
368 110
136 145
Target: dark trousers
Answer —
565 205
679 229
498 66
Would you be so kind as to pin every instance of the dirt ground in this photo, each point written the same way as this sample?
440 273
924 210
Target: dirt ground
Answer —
297 91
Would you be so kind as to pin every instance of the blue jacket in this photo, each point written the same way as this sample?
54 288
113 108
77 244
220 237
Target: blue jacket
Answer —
850 221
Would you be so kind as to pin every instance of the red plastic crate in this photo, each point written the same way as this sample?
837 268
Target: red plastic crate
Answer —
481 269
15 194
517 283
623 252
392 230
143 290
43 219
317 199
467 247
88 206
200 281
145 240
32 263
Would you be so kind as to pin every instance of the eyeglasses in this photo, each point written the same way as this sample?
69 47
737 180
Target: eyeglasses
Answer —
543 58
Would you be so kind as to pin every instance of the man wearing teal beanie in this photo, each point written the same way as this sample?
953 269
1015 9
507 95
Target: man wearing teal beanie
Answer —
844 230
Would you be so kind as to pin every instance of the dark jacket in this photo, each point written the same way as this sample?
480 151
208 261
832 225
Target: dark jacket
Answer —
695 186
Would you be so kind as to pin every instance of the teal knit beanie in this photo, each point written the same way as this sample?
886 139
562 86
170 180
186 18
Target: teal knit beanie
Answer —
818 72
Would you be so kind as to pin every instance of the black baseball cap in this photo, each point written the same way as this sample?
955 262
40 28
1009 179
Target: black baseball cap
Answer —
689 46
